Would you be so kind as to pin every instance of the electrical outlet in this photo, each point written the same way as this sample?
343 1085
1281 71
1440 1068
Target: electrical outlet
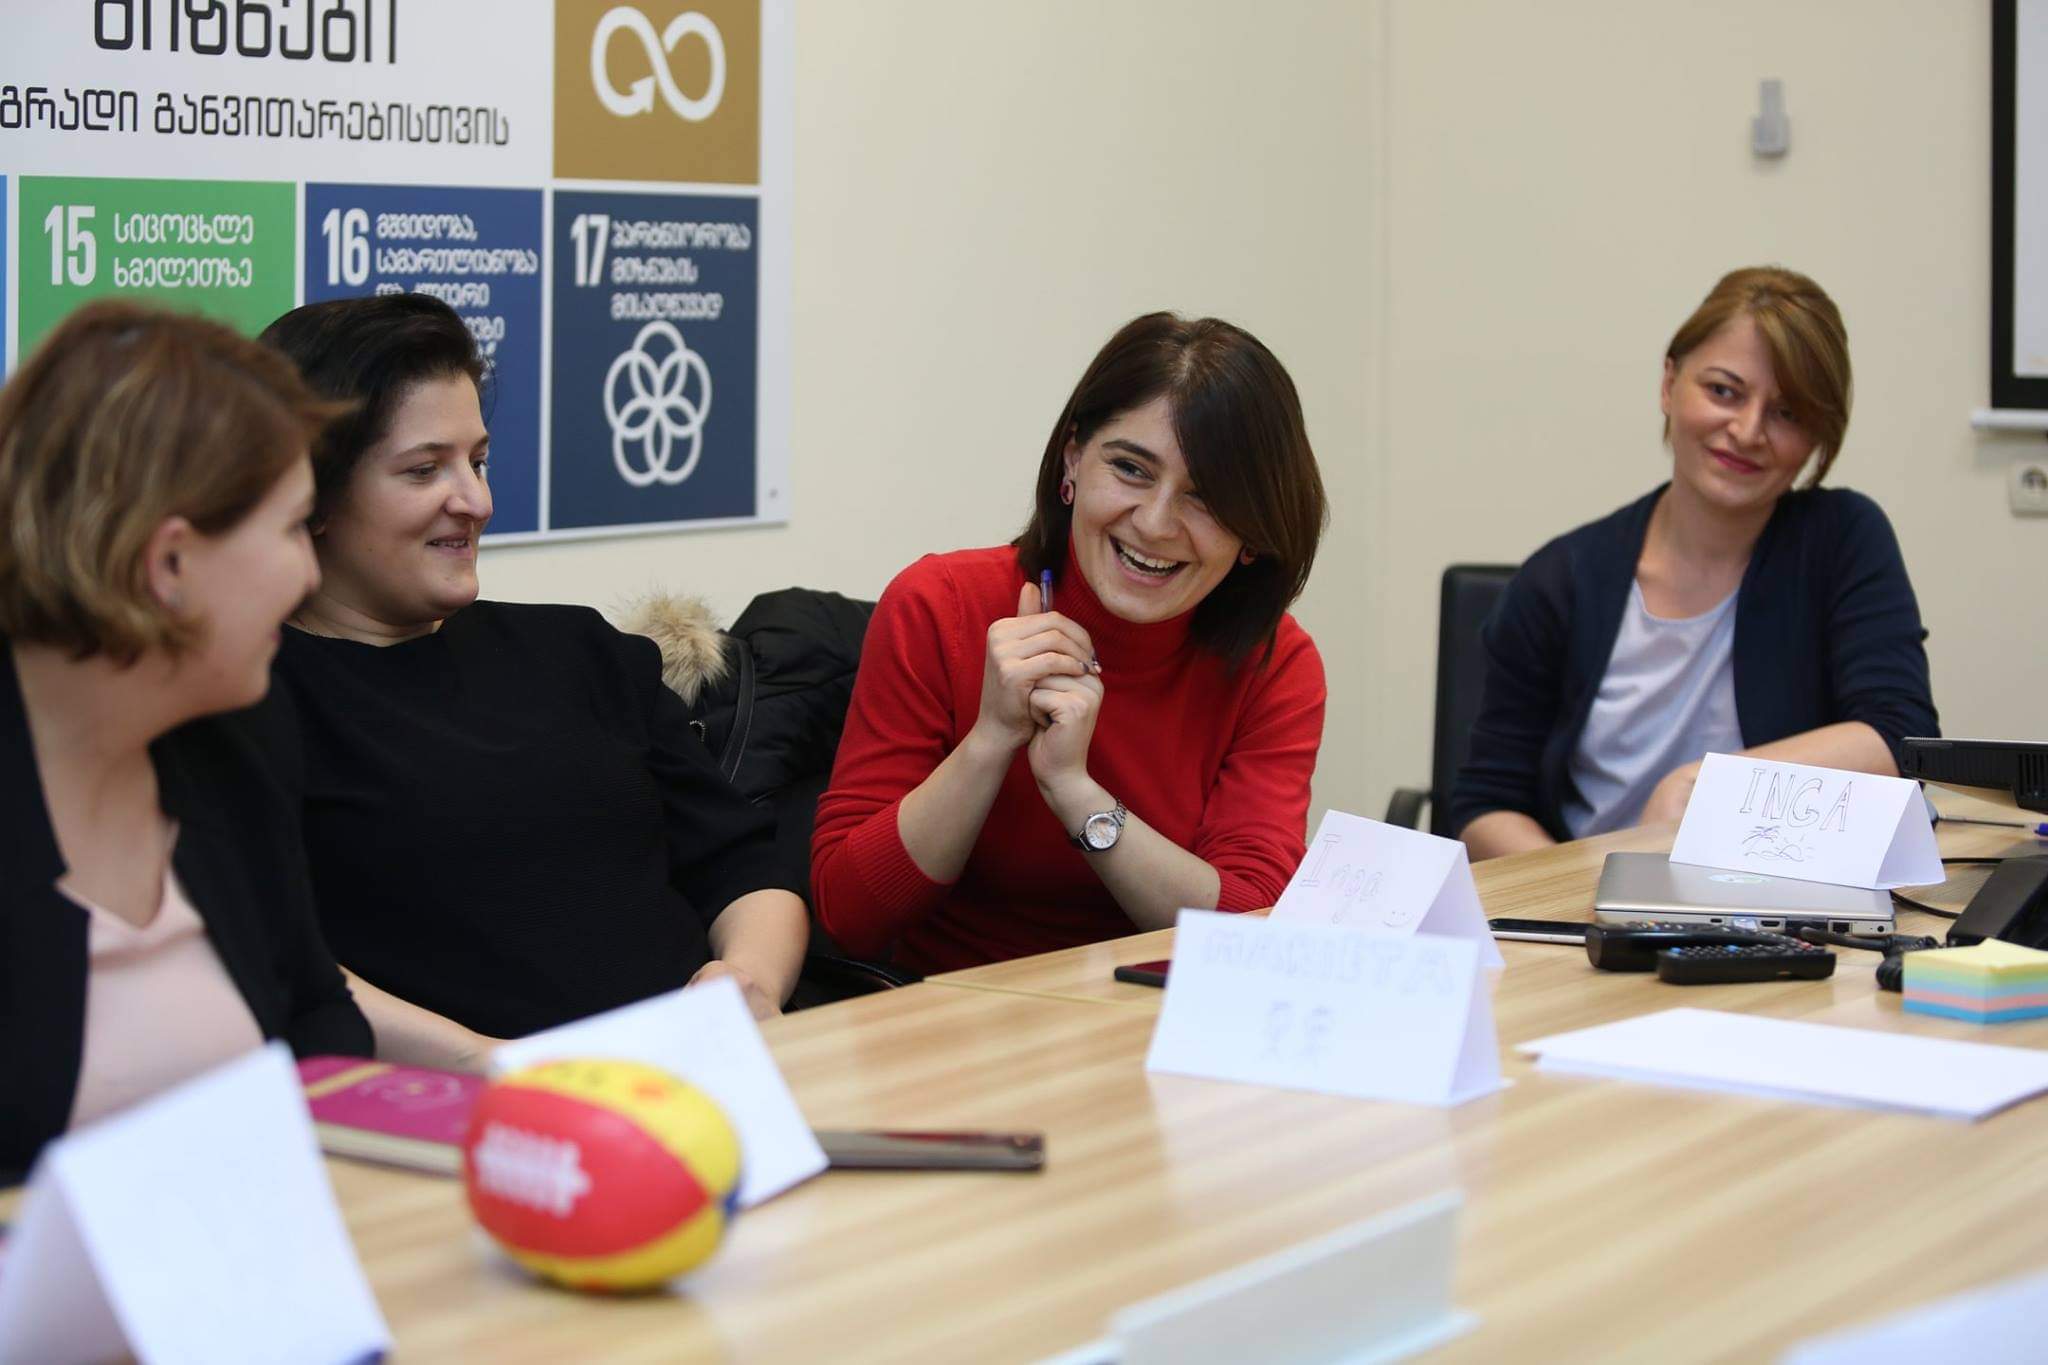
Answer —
2026 485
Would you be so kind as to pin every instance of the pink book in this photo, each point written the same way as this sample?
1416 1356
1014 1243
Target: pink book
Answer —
407 1116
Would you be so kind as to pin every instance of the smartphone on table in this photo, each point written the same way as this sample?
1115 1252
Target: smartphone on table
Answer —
1144 973
872 1150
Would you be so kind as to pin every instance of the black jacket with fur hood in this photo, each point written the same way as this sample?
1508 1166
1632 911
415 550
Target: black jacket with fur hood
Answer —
769 696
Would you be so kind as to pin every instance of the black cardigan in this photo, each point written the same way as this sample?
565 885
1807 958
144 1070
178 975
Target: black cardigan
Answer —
238 857
1826 630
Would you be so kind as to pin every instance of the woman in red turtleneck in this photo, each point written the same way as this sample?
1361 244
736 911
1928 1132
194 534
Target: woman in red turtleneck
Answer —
1073 737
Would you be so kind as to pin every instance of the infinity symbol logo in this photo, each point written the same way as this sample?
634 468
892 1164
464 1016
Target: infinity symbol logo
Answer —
658 413
639 96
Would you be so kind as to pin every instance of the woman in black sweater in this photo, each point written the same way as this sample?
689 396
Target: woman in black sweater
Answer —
1726 611
508 820
154 917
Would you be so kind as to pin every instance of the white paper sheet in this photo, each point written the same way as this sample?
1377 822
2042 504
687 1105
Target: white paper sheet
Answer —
1814 1063
703 1035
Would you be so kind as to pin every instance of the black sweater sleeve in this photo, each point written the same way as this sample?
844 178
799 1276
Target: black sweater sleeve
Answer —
324 1018
1877 655
248 759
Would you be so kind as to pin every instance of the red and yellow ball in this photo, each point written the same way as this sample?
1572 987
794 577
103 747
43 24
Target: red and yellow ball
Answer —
601 1175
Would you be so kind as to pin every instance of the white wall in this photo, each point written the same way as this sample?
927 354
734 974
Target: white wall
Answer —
984 192
1491 212
1566 180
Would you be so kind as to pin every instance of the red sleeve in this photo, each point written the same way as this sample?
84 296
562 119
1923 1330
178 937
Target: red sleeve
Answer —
1254 828
899 727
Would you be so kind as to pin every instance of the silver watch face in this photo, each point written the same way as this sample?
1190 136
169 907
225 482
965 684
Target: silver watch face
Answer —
1101 830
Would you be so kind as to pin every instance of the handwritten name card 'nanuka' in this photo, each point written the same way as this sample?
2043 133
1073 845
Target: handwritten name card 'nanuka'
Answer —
1811 824
1370 875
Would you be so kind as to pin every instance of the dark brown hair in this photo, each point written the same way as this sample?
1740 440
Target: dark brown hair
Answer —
1802 329
1239 424
123 417
370 351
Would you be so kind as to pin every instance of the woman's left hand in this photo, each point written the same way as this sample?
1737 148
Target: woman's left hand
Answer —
1065 709
1668 800
757 999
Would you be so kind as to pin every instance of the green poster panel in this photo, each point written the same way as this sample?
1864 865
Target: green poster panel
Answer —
220 247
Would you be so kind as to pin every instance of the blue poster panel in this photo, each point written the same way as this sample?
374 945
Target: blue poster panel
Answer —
478 250
656 337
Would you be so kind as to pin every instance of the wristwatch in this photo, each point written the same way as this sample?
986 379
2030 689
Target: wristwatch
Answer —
1099 831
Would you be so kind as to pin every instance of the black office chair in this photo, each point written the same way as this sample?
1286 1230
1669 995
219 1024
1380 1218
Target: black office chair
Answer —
829 975
775 725
828 978
1470 592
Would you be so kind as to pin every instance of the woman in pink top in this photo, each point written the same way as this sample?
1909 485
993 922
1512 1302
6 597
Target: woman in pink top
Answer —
154 487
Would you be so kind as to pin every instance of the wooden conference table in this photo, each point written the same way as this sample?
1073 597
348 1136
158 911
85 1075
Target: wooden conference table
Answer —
1602 1220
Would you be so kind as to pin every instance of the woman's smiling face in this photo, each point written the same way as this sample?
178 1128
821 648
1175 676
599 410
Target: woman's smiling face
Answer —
1142 535
400 546
1735 441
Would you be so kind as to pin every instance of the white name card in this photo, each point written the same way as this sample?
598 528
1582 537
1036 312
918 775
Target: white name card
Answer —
1327 1007
1379 876
1999 1325
1376 1291
197 1226
1811 824
703 1035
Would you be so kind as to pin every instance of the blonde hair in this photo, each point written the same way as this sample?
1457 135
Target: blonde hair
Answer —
1802 329
123 417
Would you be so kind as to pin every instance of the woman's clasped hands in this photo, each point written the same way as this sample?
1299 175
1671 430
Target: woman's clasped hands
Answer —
1041 687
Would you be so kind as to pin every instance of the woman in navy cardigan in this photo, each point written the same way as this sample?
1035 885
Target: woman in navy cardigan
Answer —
1725 611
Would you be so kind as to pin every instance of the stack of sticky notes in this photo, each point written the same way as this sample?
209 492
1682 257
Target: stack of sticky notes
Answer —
1991 982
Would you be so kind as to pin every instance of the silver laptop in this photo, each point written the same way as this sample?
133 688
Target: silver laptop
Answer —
1649 886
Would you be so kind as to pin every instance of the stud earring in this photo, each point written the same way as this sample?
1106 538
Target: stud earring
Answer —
1067 490
1245 556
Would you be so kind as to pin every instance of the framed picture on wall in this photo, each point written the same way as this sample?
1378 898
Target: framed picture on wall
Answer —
602 191
2019 204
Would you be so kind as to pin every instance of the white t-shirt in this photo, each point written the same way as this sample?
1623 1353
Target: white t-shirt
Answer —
1667 699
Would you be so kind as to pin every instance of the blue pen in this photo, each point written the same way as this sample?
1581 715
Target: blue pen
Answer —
1045 604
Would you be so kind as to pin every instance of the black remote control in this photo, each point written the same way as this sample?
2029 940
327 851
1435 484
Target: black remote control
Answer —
1708 966
1634 947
